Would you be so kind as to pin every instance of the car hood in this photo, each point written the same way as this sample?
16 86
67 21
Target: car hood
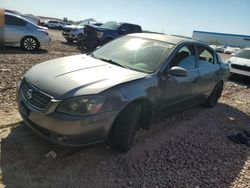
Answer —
78 75
240 61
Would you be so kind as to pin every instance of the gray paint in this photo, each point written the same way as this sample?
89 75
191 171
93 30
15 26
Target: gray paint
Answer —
83 75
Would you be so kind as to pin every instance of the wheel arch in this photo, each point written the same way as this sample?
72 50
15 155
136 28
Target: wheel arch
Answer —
146 115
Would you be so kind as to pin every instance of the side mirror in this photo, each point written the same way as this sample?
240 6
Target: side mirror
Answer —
178 71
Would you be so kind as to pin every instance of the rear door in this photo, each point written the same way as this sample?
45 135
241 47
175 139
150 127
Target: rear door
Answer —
179 93
209 69
14 29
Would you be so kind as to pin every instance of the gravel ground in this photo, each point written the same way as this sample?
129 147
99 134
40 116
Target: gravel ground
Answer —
190 149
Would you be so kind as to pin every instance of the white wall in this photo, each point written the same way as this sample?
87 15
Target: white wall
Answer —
225 39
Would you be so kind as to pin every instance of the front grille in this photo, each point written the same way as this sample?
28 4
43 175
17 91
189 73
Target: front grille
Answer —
38 98
240 67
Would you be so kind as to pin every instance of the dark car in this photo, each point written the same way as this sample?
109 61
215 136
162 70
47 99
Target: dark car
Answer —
98 36
119 88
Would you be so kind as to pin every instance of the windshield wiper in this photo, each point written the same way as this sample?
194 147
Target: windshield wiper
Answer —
113 62
109 61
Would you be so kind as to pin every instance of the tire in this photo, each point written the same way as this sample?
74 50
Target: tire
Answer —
214 96
29 43
124 128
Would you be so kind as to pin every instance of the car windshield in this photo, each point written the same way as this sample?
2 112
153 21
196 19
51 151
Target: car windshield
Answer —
111 25
243 54
134 53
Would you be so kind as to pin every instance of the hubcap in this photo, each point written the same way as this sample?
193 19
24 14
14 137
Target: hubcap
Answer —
29 44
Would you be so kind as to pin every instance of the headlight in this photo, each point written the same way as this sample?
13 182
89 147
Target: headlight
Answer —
81 106
99 34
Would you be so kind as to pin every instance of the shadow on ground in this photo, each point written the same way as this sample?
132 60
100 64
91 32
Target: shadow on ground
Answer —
240 79
74 44
18 50
203 156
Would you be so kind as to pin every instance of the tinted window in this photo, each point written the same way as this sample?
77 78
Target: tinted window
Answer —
205 57
111 25
243 54
53 22
184 58
135 29
11 20
125 28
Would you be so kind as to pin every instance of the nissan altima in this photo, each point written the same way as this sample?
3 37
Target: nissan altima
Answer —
119 88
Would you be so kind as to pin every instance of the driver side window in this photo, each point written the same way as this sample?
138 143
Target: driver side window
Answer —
184 58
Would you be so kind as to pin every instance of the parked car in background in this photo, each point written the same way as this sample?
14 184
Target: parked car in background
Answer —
240 63
119 88
98 36
54 24
231 50
74 32
213 46
220 49
23 33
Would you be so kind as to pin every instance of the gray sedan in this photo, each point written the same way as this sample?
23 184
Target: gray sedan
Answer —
20 32
119 88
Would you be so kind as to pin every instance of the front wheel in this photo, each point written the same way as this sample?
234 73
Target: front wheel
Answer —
214 96
124 128
29 43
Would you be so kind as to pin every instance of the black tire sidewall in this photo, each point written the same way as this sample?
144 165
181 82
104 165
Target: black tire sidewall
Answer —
215 95
22 43
125 127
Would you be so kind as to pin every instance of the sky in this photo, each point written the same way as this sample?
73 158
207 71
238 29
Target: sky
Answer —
179 17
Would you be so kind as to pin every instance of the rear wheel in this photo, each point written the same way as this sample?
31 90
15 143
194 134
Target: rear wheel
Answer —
29 43
214 96
124 128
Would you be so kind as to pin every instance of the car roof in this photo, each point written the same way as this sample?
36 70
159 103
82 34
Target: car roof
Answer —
161 37
19 16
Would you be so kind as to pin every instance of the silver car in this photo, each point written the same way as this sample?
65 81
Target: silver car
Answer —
119 88
20 32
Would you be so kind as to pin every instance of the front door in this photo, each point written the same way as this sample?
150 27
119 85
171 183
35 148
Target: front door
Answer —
178 93
208 68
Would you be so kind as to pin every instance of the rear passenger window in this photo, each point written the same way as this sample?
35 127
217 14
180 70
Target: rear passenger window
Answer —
184 58
13 21
205 57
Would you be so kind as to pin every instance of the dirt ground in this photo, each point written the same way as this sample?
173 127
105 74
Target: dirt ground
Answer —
190 149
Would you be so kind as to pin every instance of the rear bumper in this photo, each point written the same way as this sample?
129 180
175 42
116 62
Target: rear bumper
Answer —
45 41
